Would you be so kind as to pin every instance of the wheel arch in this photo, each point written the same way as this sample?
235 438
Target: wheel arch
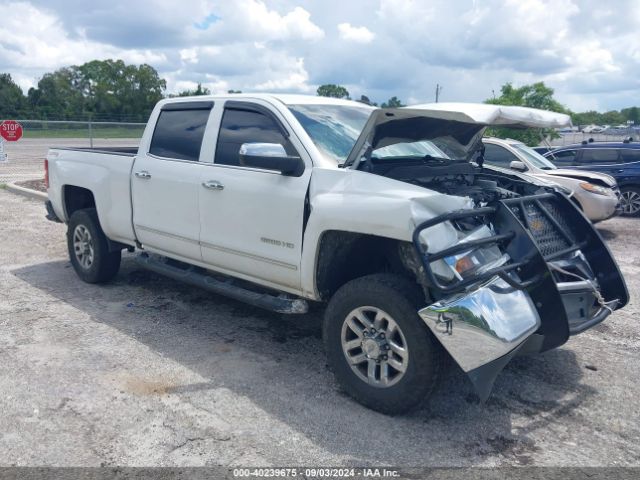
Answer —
76 198
342 256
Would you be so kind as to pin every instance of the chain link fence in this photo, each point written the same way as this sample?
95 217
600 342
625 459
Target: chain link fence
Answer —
25 157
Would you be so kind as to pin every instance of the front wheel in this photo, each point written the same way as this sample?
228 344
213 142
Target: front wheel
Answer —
88 248
381 352
630 201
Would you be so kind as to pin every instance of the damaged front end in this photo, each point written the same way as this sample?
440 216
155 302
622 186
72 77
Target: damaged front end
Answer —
525 274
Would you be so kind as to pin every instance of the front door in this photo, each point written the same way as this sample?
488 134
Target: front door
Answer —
251 219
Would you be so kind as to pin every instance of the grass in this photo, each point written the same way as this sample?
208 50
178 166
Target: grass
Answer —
3 186
106 132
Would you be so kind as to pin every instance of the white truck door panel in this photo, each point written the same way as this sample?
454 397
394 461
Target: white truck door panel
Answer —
252 220
165 182
165 206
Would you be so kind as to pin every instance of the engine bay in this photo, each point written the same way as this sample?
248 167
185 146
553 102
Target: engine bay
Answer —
482 185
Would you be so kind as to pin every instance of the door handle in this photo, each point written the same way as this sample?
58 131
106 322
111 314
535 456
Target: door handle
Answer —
620 171
143 174
213 185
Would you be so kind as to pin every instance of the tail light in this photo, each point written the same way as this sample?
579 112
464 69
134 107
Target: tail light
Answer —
46 173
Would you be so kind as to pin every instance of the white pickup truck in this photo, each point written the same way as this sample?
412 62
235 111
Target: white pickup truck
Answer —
419 253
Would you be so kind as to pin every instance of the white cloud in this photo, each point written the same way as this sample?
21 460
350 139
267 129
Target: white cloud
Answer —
253 20
355 34
586 49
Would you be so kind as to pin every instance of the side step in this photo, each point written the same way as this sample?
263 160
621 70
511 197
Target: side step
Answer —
198 277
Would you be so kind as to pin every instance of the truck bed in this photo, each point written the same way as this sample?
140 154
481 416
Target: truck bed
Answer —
124 151
106 173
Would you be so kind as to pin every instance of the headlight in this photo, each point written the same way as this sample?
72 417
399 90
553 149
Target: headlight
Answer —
598 190
476 260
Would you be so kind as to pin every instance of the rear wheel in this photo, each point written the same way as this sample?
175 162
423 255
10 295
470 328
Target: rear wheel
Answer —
630 201
379 349
88 248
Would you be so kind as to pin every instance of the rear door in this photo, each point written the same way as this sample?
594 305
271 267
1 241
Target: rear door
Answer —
605 160
252 222
629 170
165 184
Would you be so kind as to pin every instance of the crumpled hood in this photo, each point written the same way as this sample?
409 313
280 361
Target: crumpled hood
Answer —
586 175
463 122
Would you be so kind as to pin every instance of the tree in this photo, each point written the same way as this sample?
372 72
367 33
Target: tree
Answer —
364 99
632 114
586 118
331 90
234 91
107 89
198 91
114 88
393 102
12 100
58 95
536 95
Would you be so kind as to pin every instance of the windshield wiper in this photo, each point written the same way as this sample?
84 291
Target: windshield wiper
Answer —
430 159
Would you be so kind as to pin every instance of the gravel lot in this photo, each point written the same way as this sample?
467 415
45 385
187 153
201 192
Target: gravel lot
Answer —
147 371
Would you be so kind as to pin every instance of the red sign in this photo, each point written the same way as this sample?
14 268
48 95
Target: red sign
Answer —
11 130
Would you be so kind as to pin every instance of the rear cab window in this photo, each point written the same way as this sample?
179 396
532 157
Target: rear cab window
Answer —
179 130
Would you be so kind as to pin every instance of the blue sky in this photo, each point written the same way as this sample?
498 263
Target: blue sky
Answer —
588 50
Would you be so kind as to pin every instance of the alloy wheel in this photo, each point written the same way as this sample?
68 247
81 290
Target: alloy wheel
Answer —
83 246
374 346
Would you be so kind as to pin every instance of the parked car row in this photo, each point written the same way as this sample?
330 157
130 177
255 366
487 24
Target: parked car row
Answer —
620 160
596 194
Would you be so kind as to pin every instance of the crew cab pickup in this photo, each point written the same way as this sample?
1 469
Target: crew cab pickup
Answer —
282 200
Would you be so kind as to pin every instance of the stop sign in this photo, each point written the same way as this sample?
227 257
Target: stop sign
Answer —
11 130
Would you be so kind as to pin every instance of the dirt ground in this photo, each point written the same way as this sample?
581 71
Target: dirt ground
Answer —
147 371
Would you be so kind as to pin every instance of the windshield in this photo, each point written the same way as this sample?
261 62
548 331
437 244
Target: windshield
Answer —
334 129
437 148
534 157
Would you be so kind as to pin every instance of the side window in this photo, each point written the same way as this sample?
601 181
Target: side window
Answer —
498 156
246 126
630 155
178 134
564 157
599 155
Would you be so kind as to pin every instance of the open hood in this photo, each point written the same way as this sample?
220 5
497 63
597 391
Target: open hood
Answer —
502 115
463 123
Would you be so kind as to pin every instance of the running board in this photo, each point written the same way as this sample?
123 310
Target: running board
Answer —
199 278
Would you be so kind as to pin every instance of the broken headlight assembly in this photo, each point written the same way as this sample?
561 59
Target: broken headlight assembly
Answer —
476 260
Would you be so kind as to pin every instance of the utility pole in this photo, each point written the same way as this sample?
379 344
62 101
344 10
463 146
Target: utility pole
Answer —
438 90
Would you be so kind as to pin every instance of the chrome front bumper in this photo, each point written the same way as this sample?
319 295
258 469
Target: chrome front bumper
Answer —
479 327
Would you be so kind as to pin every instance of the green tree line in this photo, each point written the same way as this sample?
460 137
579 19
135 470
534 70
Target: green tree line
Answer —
113 90
100 89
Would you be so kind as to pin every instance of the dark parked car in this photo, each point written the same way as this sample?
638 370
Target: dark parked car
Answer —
544 150
621 160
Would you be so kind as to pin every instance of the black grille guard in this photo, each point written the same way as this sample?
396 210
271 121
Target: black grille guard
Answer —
533 230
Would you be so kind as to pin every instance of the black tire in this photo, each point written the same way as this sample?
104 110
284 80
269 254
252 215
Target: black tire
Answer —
630 194
105 264
400 298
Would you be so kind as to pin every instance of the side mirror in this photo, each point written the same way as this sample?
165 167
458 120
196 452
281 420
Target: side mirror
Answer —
518 165
270 156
